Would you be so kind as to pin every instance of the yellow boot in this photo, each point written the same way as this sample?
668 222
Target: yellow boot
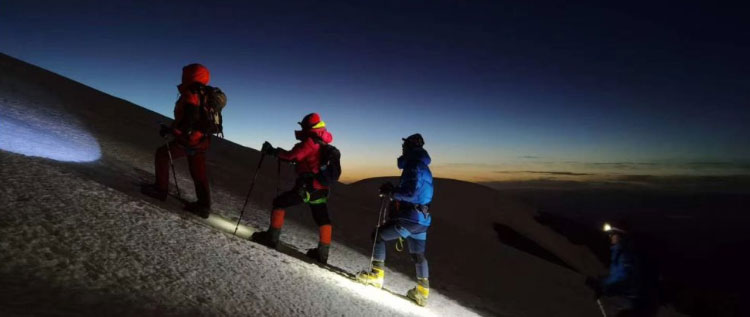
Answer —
374 277
420 293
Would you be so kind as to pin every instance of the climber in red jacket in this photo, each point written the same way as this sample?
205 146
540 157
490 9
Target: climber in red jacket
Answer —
190 139
308 189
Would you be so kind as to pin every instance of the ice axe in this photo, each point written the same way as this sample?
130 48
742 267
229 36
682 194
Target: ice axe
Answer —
247 198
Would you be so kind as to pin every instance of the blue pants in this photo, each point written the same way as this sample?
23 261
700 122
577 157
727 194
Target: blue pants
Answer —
416 239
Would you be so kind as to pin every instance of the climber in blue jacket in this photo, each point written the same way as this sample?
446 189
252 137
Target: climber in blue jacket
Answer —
409 218
623 280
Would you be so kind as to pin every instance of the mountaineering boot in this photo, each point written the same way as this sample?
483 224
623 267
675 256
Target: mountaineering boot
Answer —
153 191
269 238
320 253
420 293
199 209
374 277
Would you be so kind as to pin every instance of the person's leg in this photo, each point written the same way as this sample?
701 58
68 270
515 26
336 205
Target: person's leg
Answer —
271 236
375 277
417 243
161 164
388 232
197 163
280 203
417 248
320 215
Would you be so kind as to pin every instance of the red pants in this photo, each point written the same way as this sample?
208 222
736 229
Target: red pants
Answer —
196 157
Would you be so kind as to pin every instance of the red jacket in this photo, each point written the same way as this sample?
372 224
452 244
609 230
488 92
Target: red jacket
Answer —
187 108
306 153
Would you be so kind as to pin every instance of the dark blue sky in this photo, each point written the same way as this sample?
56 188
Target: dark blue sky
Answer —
493 87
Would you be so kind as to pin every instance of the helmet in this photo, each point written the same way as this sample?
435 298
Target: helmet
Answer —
312 121
414 140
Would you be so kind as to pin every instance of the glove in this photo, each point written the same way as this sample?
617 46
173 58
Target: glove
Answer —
164 130
595 285
386 189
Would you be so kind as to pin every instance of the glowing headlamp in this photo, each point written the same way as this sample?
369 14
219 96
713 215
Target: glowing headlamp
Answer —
612 229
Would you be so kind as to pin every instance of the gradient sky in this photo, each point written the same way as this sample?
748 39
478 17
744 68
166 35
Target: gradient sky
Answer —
657 89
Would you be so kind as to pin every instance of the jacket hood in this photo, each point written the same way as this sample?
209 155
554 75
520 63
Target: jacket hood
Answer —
320 133
415 154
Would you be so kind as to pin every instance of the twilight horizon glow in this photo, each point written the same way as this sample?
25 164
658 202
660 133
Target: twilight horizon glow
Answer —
499 91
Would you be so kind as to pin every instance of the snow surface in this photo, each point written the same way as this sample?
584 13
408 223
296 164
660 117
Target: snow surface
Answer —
74 246
51 134
78 239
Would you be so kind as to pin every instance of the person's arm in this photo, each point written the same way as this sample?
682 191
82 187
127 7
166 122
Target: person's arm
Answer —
407 189
298 152
192 109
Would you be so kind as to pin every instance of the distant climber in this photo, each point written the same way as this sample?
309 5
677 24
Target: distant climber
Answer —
191 129
410 219
624 283
309 188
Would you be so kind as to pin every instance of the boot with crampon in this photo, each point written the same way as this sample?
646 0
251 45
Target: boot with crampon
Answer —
269 238
320 253
375 277
420 293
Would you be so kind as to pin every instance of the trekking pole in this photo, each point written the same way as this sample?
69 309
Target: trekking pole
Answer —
381 212
247 198
174 174
278 176
601 307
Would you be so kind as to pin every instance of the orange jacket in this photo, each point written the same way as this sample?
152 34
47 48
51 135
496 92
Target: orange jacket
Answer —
186 125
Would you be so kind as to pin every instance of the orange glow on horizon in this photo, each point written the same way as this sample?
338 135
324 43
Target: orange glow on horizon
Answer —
579 172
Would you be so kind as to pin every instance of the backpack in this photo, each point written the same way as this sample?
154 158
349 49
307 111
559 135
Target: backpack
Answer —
330 164
213 101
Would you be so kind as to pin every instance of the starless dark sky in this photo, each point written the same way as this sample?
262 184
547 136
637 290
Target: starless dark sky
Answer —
492 86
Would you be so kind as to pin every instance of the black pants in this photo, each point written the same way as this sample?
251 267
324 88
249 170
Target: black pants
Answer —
297 196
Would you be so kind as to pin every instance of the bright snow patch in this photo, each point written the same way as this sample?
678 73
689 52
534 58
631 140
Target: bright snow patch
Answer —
47 134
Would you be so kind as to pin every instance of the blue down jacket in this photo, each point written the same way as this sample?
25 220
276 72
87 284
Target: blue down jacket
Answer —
415 185
623 278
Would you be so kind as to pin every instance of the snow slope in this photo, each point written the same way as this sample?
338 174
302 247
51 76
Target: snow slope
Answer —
78 237
73 246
